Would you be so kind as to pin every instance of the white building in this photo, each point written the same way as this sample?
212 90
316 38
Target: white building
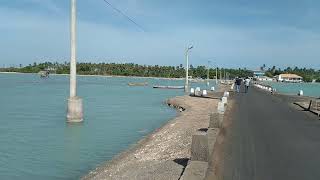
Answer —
263 78
289 78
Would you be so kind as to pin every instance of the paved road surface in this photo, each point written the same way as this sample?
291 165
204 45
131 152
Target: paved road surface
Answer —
270 140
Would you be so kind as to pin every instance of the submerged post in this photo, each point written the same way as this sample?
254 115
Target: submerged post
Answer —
75 112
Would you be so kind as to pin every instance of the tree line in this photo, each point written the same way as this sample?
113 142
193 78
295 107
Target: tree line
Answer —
308 75
130 69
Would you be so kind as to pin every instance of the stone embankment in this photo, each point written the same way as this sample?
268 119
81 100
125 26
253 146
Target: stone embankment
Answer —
181 149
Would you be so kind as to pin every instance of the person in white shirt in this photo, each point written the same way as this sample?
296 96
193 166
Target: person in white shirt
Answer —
247 83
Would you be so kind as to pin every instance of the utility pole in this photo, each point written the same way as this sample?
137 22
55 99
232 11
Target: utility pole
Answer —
186 87
220 77
208 73
75 108
216 74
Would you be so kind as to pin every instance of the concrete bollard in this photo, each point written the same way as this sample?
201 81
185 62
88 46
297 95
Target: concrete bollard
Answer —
226 94
224 100
232 87
300 93
197 92
212 89
204 93
192 92
221 108
199 147
215 120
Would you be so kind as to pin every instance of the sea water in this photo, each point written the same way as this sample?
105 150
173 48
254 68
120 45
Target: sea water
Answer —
37 143
309 89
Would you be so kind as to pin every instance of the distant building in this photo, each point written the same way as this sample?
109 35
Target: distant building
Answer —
257 74
263 78
289 78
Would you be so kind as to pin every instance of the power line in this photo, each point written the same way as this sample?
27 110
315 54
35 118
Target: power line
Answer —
127 17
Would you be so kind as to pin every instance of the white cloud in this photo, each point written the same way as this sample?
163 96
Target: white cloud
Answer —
35 37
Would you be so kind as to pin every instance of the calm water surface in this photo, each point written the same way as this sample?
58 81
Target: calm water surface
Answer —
309 89
37 143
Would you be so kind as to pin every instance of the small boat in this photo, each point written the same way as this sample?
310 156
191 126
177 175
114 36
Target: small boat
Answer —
44 74
169 87
138 84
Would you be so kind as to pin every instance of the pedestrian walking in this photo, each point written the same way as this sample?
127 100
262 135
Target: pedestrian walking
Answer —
238 84
247 84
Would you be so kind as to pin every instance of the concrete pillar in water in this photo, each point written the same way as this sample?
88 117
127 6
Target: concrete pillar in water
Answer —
75 108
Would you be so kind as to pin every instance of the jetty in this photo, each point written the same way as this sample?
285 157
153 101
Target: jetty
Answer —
138 84
268 137
180 150
168 87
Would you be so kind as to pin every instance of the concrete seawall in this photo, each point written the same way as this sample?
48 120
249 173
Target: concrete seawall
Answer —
165 153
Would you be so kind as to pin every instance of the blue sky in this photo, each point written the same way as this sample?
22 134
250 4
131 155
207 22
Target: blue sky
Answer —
230 33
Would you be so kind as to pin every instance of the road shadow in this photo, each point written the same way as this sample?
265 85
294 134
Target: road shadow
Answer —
203 129
182 161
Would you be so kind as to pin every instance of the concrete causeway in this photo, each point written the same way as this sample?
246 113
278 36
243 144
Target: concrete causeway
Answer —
269 138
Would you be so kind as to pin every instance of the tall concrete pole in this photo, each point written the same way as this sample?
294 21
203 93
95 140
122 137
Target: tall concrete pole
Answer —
186 87
220 77
73 63
208 71
75 108
216 74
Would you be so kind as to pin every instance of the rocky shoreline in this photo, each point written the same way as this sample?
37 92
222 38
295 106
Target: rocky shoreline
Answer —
163 154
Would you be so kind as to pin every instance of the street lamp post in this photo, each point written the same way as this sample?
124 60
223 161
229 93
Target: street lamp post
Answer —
208 71
216 74
187 69
75 108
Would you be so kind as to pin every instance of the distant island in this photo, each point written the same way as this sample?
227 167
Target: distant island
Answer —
131 69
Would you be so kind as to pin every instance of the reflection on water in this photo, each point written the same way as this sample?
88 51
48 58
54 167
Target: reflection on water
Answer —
309 89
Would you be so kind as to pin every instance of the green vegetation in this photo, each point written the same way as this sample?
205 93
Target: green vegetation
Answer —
129 69
307 74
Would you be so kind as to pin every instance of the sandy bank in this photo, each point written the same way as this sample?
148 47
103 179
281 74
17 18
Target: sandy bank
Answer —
163 154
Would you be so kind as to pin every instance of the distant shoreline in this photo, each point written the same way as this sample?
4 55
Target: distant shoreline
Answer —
89 75
119 76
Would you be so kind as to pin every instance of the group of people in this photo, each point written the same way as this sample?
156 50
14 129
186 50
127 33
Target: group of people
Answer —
238 83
